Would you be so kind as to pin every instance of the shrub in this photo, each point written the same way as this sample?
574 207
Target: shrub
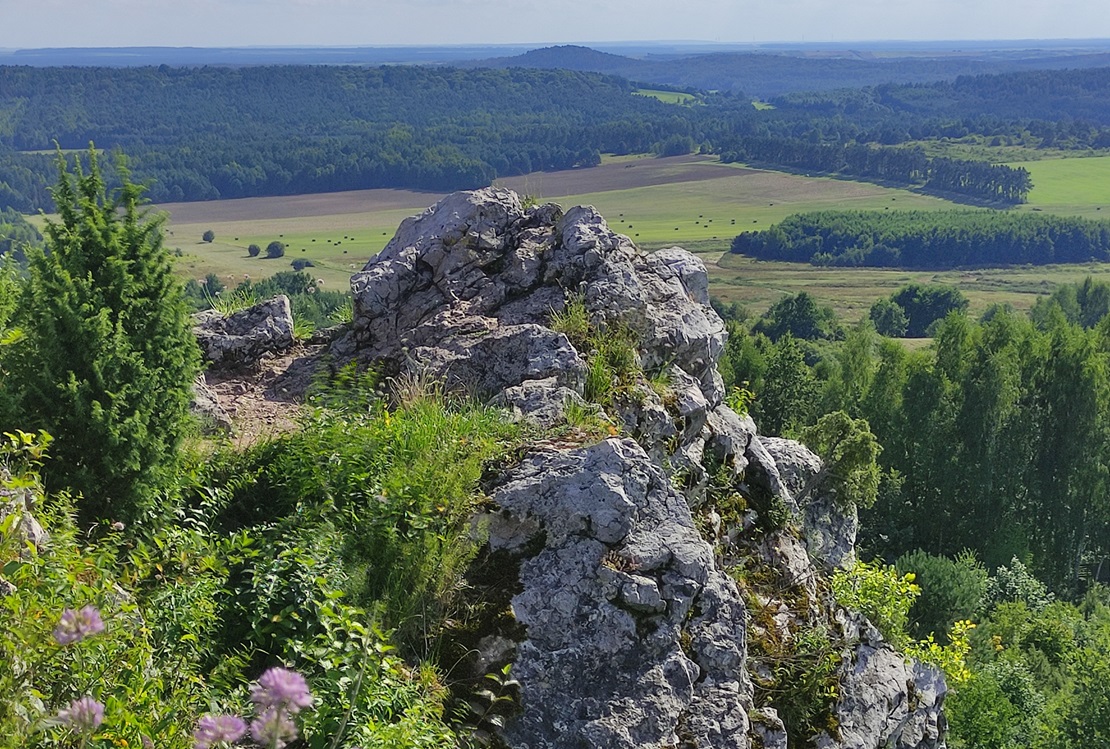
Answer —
275 249
209 236
951 590
108 363
881 594
254 250
1016 583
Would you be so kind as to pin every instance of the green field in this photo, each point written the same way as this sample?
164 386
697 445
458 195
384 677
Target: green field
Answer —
851 291
1074 187
668 97
691 201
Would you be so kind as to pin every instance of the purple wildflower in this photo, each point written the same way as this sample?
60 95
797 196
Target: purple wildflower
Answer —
281 688
75 626
273 728
83 715
212 729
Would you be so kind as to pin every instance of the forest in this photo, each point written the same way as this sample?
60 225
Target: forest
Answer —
959 178
995 452
928 239
208 133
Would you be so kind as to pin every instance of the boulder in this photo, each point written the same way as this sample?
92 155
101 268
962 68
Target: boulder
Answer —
241 339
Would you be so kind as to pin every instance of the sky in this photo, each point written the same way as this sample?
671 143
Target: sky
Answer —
222 23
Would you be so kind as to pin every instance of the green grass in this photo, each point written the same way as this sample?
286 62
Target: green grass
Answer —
705 215
851 291
1073 187
668 97
337 245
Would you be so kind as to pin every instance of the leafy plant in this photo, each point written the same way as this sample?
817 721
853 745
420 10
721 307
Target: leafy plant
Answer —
880 593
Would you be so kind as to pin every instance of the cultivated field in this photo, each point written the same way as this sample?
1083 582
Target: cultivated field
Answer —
691 201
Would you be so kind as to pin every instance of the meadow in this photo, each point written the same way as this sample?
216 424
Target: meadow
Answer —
690 201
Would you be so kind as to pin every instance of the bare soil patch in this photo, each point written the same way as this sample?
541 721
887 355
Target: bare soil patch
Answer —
614 176
267 402
621 176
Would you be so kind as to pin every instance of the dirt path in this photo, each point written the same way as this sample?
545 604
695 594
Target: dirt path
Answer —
267 403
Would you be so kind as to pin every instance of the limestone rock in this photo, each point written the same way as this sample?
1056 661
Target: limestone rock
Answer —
633 635
206 407
624 629
477 267
829 529
886 701
242 338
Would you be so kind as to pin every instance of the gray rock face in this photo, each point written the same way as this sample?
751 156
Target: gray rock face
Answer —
828 528
206 407
633 636
241 339
884 697
465 292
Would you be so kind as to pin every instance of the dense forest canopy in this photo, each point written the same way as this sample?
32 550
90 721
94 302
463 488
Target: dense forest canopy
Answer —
212 132
220 132
928 239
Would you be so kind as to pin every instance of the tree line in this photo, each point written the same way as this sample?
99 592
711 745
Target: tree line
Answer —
924 239
995 439
993 183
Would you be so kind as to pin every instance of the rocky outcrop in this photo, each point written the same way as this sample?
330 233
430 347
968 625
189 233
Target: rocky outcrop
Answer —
828 526
624 628
466 291
634 638
241 339
883 695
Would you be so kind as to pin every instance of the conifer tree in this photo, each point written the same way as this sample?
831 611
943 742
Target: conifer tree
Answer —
108 360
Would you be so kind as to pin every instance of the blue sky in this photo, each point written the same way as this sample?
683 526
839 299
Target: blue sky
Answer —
205 23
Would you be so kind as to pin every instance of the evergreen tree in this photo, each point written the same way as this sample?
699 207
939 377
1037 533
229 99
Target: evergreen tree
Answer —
109 359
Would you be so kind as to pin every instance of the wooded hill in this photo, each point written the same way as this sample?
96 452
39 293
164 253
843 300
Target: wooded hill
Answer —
768 74
207 133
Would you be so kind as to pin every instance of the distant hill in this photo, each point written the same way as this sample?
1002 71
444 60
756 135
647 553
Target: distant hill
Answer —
765 75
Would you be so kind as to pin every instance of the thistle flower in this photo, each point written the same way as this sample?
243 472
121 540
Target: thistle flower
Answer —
212 729
75 626
83 716
273 728
281 688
